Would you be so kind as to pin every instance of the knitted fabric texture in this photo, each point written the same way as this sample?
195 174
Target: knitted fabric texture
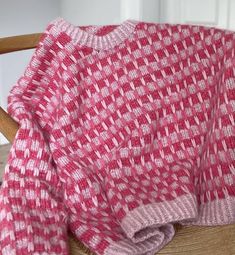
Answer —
124 130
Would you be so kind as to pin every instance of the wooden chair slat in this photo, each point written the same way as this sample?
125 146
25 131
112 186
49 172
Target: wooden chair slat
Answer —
20 42
8 127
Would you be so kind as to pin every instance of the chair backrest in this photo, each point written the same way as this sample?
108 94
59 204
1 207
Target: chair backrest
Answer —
8 127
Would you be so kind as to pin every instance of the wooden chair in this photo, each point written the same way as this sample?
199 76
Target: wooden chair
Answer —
191 240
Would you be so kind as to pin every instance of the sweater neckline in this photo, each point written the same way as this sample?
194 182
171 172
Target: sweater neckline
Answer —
81 37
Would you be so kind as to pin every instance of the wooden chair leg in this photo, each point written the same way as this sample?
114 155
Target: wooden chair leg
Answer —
8 127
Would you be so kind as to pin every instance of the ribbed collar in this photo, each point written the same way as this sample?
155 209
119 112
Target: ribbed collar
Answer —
119 34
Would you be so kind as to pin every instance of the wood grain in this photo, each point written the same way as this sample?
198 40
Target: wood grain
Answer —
20 42
8 127
190 240
195 240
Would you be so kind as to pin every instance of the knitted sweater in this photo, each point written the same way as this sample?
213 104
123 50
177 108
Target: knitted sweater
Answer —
124 130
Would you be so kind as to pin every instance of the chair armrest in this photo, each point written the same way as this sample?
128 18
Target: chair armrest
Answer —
8 126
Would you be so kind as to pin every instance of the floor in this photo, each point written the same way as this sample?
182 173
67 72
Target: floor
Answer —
4 150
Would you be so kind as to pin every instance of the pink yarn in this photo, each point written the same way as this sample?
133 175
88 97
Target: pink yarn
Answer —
124 130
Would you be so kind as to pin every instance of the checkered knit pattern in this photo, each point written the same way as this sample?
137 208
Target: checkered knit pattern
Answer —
124 130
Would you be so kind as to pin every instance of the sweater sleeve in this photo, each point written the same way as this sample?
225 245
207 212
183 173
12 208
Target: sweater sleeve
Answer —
32 215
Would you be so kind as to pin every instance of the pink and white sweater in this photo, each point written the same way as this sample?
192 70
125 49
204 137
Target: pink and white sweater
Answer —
124 130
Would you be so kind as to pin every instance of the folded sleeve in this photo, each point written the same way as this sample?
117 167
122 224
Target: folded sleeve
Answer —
32 214
33 217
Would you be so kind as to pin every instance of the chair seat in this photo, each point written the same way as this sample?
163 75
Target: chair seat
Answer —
188 240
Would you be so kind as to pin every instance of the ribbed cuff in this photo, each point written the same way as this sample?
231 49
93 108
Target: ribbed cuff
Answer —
217 212
147 247
141 223
149 227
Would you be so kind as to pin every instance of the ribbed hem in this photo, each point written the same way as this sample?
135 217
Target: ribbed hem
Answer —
148 228
148 247
217 212
140 223
79 36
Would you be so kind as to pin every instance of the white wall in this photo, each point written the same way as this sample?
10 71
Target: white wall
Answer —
21 17
217 13
100 12
88 12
